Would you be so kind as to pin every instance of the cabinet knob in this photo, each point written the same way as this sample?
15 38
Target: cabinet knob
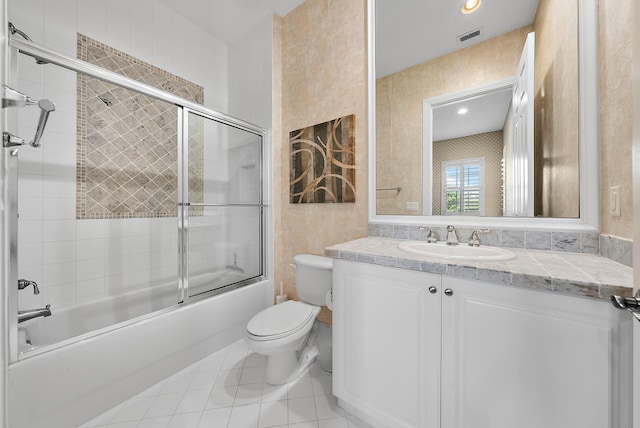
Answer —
448 292
433 290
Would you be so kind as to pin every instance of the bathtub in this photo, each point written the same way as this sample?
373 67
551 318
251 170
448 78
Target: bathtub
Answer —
79 364
40 334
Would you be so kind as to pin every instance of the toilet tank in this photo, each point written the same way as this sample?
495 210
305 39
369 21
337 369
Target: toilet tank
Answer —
313 277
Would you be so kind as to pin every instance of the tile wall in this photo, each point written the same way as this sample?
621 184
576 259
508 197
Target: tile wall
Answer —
75 260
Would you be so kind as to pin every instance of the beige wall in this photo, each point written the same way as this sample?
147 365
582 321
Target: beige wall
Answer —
616 29
402 93
320 60
557 172
487 146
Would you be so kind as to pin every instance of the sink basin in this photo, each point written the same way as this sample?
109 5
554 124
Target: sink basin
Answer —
461 252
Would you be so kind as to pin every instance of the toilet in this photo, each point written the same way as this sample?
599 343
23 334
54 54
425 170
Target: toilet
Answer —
284 332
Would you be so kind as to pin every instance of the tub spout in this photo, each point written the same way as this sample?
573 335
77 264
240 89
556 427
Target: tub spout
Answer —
34 313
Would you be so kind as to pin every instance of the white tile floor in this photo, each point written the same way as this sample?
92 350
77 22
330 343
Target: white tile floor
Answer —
227 390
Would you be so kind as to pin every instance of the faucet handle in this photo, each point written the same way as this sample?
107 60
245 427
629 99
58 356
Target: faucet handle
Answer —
24 283
474 240
431 235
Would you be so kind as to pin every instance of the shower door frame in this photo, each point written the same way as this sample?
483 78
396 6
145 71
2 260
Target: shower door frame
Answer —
184 204
184 107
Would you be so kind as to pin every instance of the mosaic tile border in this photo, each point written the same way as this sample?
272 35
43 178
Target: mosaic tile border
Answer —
117 179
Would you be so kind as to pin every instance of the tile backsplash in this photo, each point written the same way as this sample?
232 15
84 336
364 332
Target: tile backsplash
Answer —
614 248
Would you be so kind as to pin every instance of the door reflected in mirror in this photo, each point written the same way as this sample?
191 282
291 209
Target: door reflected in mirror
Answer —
515 151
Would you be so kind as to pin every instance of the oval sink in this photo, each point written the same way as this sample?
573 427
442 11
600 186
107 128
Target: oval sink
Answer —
461 252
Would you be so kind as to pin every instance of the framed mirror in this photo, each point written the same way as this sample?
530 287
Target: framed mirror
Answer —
538 173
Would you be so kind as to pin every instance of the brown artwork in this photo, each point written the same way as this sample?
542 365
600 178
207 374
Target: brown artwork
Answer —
323 162
127 142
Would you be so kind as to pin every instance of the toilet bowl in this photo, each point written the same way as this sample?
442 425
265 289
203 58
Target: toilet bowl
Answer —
284 332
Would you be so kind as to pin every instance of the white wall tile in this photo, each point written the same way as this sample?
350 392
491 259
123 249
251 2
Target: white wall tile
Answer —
119 25
94 8
90 249
58 274
116 265
30 231
59 230
60 187
61 144
29 255
141 261
90 229
141 244
62 38
117 284
30 161
30 185
140 279
91 27
63 12
29 70
30 208
59 208
90 289
89 269
60 296
117 227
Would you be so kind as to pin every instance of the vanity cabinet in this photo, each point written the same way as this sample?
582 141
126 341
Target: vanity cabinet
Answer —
413 349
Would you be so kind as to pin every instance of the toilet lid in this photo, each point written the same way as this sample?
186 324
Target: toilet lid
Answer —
280 319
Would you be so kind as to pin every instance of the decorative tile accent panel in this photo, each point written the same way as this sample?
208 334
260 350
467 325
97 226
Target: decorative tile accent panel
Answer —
323 162
126 150
565 242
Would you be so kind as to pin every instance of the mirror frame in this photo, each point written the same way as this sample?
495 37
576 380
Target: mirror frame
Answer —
589 137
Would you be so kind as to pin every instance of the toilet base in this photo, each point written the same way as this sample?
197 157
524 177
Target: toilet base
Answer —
285 367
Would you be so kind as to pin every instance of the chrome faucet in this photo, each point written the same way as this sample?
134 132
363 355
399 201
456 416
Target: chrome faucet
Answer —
431 235
24 283
452 236
474 240
34 313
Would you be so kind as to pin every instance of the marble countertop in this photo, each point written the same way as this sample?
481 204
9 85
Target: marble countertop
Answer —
574 274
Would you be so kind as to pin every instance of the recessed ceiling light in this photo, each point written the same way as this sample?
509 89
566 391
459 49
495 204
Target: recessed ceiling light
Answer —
470 6
462 111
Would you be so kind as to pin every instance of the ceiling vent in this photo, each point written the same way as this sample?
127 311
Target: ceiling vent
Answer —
468 36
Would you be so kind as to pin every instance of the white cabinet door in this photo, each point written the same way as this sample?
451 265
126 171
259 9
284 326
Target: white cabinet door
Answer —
520 358
385 329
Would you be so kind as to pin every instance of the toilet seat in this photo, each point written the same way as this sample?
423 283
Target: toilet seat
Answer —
281 320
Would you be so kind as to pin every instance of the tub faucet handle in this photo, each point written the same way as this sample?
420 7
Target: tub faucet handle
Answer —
24 283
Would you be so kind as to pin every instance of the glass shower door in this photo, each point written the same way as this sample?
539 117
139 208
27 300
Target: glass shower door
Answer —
222 211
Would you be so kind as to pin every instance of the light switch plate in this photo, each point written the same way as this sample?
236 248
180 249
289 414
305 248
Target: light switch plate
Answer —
615 201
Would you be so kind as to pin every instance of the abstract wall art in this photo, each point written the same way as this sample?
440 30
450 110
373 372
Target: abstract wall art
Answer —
322 159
